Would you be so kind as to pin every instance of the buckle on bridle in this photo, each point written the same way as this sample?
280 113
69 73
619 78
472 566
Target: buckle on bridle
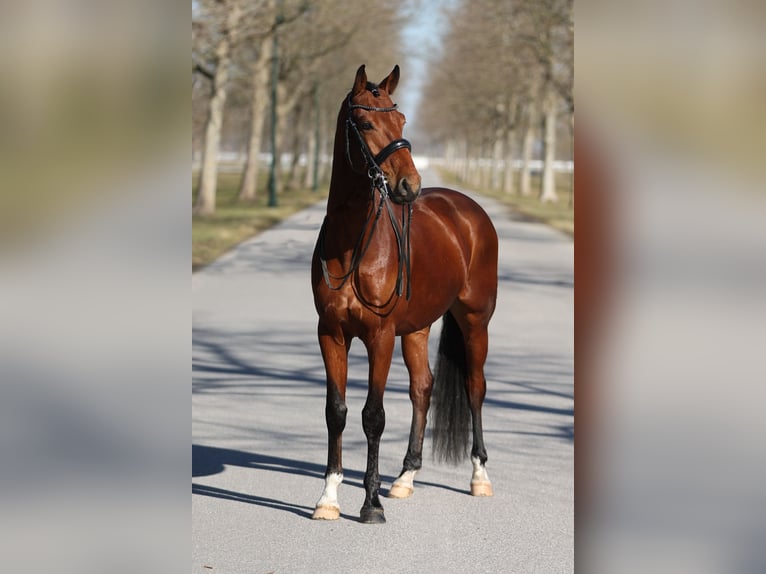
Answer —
379 180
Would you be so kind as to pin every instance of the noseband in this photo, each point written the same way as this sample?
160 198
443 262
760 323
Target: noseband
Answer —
380 183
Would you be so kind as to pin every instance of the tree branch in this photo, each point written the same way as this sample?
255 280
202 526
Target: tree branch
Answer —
199 68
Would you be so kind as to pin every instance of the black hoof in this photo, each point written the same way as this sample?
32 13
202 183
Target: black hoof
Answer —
372 516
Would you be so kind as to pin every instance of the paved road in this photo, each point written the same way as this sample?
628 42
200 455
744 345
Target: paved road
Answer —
259 442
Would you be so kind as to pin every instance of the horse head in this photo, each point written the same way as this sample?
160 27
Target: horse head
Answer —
378 125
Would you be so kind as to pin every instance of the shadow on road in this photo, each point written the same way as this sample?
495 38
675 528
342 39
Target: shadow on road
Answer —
226 361
204 490
263 363
208 461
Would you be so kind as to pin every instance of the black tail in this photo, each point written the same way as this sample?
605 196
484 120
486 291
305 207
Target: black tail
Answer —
451 415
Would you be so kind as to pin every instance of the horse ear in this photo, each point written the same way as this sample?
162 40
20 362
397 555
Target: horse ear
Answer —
360 83
390 82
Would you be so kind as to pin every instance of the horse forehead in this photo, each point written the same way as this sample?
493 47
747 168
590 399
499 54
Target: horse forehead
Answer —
377 99
394 117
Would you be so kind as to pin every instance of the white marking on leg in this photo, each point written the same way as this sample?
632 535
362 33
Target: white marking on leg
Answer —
480 484
479 471
330 493
406 478
403 486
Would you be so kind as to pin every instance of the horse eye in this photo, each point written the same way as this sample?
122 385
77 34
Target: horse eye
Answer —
365 126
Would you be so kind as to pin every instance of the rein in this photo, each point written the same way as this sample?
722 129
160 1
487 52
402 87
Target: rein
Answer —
378 182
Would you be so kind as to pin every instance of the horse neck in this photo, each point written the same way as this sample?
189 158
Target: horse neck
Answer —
349 191
351 201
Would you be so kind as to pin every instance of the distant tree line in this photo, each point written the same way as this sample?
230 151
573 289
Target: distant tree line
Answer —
315 45
502 82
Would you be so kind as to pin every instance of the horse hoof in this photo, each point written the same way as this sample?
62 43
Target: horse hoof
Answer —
399 491
481 488
372 516
326 513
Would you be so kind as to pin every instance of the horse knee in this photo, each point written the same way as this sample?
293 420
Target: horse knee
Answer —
335 414
373 420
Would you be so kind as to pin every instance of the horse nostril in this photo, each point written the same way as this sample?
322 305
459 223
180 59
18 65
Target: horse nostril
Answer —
407 188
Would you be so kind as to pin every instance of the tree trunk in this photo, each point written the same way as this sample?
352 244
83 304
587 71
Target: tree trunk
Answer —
497 159
571 156
509 134
449 156
323 166
485 166
323 142
312 149
467 164
282 110
286 105
298 132
260 99
527 146
205 203
509 159
549 176
473 172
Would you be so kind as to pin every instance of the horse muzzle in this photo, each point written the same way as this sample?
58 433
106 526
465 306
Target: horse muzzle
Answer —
407 189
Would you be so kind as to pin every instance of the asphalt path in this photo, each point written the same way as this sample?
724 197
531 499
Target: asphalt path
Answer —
259 437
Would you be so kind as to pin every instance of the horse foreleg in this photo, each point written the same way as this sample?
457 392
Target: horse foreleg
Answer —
415 352
335 355
380 351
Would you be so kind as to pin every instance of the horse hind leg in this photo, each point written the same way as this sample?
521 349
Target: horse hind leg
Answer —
474 327
415 352
480 483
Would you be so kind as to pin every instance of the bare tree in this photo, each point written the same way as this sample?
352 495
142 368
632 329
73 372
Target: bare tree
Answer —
504 65
323 47
549 37
318 41
550 109
530 127
259 72
229 11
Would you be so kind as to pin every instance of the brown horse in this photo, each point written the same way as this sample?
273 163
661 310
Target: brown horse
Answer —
390 260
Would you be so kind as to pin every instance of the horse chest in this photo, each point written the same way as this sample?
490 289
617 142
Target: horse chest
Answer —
355 313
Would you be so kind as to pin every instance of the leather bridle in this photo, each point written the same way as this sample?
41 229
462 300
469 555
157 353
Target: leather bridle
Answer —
374 171
379 182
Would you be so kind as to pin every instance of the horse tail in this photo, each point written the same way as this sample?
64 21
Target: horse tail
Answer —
451 415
